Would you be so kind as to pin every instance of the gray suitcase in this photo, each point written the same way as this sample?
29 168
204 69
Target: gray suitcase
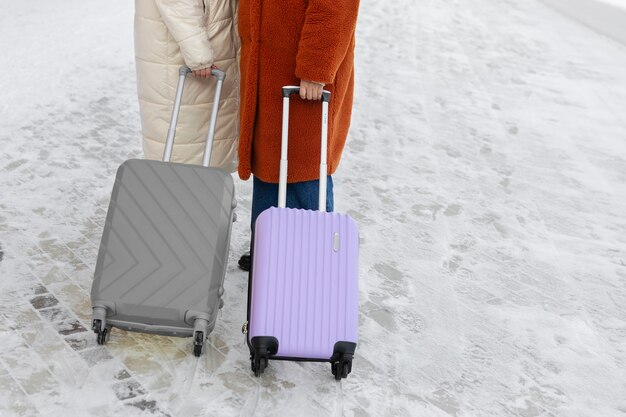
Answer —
164 248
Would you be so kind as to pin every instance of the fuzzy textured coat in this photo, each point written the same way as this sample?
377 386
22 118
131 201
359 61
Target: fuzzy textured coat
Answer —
198 33
282 42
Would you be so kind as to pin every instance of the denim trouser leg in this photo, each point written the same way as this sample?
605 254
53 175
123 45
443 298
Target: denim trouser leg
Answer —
302 195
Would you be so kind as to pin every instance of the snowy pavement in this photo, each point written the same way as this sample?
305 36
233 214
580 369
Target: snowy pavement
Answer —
604 16
486 168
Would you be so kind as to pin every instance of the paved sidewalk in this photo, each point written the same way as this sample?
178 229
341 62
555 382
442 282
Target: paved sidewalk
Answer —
486 169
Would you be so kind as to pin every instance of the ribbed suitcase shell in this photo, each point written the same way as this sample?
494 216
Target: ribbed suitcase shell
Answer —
304 281
164 248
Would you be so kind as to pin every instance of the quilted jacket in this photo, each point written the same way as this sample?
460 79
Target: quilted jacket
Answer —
198 33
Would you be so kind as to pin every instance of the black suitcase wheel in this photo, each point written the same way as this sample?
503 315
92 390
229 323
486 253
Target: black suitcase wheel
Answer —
258 364
102 336
198 344
346 368
341 361
261 347
341 368
101 333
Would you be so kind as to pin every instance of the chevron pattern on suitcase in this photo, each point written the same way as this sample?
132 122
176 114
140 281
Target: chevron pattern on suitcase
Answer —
165 241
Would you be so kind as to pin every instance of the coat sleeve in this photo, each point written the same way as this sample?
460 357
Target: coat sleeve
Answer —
185 21
327 34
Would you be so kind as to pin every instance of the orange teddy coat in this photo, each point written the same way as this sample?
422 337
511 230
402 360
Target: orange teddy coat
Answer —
282 42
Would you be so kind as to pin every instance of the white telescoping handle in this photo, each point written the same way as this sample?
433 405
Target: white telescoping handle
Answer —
282 180
171 133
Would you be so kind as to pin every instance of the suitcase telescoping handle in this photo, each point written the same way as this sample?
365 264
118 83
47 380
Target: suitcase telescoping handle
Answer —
169 144
282 181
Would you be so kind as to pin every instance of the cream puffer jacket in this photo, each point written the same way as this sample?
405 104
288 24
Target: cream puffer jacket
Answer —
198 33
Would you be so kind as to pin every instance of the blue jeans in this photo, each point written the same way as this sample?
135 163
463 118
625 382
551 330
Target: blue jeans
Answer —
302 195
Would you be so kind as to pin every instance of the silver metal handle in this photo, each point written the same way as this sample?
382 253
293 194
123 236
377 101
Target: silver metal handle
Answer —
282 180
171 132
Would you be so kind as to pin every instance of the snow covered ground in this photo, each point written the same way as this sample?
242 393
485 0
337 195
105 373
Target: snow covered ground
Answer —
605 16
486 168
616 3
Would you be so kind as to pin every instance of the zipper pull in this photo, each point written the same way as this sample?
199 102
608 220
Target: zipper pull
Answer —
244 328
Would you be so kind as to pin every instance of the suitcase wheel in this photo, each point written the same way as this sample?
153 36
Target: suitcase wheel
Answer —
198 343
341 368
258 365
101 331
197 350
261 347
102 337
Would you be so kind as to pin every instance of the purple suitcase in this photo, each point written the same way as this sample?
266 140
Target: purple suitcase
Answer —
303 289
